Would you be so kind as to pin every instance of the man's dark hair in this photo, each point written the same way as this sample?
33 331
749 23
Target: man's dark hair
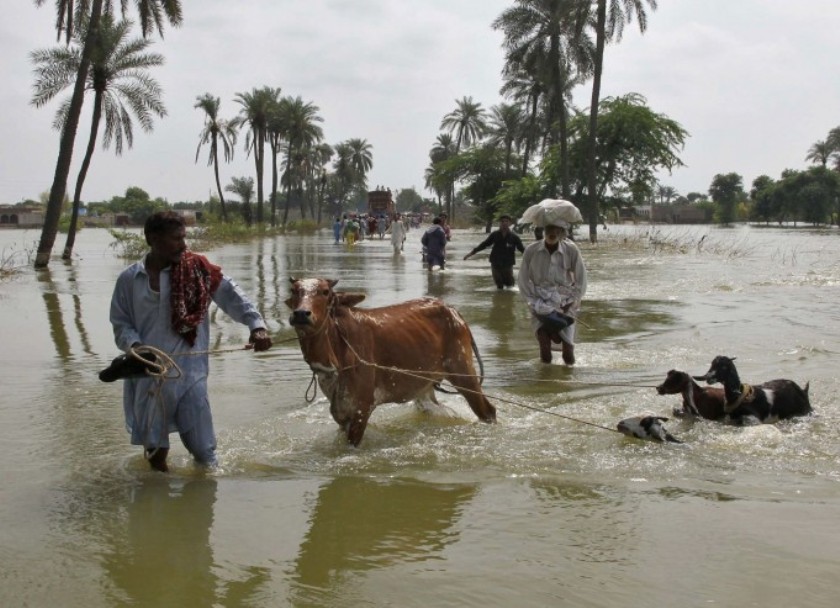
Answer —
505 217
161 223
437 220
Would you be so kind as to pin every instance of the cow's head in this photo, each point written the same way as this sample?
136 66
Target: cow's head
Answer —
313 300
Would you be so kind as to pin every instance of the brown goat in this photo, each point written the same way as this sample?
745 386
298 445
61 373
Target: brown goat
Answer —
706 402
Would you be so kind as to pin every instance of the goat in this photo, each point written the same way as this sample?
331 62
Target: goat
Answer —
769 402
646 427
706 402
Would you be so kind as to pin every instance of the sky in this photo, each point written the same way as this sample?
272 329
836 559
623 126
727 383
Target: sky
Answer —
754 82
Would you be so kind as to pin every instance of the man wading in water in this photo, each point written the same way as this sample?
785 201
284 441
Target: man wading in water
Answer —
162 302
503 253
552 279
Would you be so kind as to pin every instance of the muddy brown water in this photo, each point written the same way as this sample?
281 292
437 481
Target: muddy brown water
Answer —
437 510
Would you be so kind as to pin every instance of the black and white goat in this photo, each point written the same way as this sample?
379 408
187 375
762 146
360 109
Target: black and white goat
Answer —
769 402
704 401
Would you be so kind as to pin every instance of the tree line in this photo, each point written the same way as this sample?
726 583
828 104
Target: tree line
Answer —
535 144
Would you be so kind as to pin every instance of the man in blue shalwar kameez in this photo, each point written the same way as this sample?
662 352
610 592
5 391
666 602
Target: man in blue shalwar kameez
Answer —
162 302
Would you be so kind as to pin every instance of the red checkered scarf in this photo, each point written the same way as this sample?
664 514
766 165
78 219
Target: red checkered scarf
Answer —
192 281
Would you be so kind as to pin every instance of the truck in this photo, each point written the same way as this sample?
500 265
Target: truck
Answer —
380 202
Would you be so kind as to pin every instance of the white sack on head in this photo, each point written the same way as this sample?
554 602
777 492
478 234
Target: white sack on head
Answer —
552 212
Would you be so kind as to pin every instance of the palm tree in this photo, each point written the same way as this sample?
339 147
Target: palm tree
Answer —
344 173
302 133
256 107
361 158
607 27
820 152
243 187
541 41
216 131
468 121
277 134
527 91
321 155
442 150
120 85
506 129
152 13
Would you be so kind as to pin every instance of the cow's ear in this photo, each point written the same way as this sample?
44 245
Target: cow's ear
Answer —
349 299
292 280
289 303
332 282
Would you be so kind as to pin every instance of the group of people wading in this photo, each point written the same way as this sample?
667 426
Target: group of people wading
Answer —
162 301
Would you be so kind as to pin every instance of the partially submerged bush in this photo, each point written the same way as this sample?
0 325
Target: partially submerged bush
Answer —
302 226
674 240
12 260
128 245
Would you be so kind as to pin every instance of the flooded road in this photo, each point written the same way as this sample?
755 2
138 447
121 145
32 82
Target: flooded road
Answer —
537 510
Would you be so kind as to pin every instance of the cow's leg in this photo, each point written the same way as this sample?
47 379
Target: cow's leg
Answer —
358 424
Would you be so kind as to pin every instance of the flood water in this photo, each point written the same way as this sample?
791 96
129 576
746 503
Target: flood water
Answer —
537 510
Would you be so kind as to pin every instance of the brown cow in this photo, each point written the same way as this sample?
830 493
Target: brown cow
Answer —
392 354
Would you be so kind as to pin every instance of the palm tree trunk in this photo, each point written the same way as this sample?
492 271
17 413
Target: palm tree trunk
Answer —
80 180
529 135
218 181
565 178
68 138
593 120
259 152
288 198
274 185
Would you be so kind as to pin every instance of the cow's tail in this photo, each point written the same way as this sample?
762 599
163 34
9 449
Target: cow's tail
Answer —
478 357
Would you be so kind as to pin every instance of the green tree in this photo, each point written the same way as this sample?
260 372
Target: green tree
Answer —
810 195
256 107
541 41
527 91
763 198
303 133
243 187
216 131
121 87
819 152
608 26
436 181
137 204
152 13
482 169
468 121
634 142
321 154
505 130
409 200
517 195
726 192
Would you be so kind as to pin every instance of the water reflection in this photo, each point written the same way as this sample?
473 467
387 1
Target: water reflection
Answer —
161 547
362 524
439 284
55 318
158 550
